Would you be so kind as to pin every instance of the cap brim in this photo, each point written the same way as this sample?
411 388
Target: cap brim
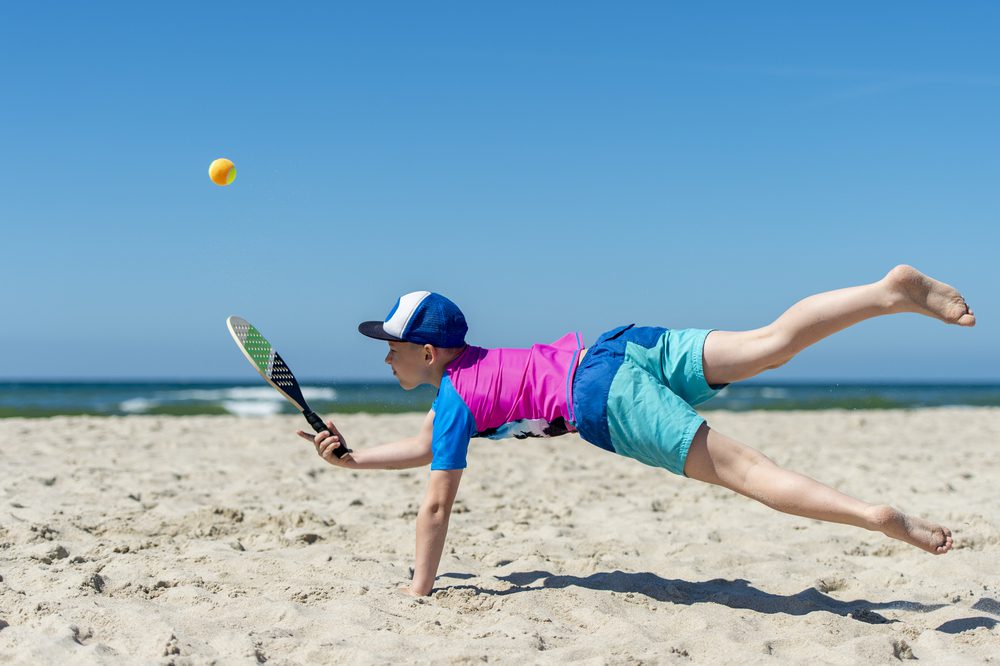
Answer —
375 329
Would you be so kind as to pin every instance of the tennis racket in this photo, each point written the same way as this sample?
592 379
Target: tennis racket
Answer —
272 368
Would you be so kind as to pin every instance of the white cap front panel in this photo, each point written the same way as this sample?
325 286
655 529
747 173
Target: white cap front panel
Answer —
400 317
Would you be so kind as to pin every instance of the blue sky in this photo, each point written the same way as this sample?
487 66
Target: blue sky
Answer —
549 166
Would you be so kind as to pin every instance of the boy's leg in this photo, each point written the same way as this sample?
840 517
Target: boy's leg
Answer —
723 461
731 356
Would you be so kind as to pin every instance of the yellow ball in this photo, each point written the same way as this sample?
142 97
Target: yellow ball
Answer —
222 171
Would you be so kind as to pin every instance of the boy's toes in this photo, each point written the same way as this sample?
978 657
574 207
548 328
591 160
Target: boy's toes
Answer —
968 319
947 541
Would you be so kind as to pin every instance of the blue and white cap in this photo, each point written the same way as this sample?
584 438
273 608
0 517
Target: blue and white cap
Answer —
422 317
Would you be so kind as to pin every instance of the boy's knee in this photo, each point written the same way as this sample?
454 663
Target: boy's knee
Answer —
774 347
780 362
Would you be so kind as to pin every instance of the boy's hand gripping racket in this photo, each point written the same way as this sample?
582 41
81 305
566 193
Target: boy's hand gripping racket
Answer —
274 371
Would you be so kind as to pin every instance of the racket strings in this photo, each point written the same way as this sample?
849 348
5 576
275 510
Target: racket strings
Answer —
281 375
258 348
267 360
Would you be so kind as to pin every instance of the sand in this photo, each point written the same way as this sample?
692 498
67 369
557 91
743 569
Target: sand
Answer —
195 540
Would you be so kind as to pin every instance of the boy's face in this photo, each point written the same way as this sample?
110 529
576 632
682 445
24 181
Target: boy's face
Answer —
410 364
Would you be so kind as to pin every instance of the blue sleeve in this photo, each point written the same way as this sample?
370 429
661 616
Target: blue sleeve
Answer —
453 427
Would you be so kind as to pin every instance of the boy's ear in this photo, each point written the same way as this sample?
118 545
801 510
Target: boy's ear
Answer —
430 353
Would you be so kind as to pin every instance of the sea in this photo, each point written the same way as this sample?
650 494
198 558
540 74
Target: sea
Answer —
249 399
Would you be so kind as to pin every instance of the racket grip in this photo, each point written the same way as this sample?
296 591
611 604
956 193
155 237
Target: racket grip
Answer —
317 423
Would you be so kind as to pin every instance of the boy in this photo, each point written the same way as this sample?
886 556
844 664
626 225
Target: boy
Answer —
630 393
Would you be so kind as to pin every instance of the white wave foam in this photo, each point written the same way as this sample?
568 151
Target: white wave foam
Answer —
251 408
319 393
215 395
137 405
254 393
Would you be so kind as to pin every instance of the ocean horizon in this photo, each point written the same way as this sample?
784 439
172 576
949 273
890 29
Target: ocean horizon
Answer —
42 398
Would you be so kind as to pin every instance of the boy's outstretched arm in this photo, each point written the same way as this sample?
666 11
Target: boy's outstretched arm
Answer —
409 452
432 527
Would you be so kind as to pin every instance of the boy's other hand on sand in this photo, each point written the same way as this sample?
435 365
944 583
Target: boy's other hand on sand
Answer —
407 591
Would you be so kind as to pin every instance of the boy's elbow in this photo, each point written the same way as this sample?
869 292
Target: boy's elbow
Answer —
436 510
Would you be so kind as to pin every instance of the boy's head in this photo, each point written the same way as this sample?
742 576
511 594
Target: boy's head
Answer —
425 331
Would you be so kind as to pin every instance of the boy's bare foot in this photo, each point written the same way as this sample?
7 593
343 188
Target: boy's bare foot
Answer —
916 292
915 531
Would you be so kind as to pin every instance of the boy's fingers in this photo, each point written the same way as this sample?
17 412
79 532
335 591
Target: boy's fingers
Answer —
326 440
329 445
329 456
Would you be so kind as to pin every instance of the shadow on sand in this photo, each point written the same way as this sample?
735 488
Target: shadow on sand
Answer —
737 593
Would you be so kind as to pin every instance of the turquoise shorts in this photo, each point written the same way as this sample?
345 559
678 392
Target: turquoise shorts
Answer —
635 391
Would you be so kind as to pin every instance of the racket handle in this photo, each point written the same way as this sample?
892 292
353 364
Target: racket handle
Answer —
317 423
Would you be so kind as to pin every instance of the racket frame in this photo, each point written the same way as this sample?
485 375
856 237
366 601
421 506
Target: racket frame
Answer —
299 402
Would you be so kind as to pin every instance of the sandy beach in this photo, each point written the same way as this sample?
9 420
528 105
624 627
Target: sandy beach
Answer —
195 540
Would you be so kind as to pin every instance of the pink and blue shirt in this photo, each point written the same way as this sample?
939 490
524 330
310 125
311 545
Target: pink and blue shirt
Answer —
499 393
